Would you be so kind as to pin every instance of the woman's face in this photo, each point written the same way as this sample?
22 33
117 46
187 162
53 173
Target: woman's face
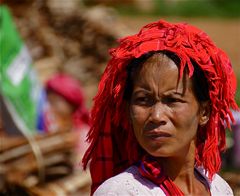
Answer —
61 110
165 116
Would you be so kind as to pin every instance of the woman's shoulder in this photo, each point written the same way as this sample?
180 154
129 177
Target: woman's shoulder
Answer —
129 182
218 186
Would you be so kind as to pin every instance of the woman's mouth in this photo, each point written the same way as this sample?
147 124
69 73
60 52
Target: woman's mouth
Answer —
158 135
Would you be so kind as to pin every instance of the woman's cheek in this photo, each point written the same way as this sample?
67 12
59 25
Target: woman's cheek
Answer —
138 114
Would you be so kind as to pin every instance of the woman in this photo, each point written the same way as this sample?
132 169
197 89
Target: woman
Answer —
64 109
158 118
66 102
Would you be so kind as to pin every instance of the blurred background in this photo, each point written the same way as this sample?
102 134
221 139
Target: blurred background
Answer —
53 53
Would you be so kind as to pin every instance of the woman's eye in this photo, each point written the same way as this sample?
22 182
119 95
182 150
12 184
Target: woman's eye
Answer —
143 100
170 100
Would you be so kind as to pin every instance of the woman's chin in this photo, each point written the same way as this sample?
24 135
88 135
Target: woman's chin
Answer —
159 153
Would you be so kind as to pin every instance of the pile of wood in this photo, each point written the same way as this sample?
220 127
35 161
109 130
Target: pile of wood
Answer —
41 165
68 37
61 36
65 35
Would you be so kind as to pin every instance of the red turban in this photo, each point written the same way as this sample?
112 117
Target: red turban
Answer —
112 146
71 90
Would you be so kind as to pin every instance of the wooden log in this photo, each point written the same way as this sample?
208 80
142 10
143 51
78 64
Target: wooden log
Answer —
56 149
46 143
28 163
65 186
9 142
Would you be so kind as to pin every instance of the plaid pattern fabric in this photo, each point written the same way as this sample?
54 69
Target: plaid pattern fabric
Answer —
106 163
151 169
112 144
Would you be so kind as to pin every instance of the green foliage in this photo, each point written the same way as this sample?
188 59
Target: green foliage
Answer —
187 8
184 8
215 8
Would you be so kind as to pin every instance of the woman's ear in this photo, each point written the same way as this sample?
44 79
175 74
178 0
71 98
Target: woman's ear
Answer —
205 111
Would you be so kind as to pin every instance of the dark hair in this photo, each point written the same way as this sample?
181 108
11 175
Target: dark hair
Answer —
200 84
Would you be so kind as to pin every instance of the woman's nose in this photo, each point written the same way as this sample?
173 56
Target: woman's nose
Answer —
158 114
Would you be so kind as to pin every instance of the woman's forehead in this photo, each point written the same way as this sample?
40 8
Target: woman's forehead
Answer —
160 70
158 64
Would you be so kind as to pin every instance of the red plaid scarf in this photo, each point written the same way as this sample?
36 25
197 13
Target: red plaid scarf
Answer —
151 169
113 147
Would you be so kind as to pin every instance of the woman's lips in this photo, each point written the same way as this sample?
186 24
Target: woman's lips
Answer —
157 134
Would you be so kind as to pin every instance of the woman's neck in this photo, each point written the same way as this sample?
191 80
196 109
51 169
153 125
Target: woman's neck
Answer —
181 171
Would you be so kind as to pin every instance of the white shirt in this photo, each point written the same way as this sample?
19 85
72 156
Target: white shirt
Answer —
131 182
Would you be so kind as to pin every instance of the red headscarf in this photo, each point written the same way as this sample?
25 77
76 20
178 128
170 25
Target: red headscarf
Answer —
113 147
71 90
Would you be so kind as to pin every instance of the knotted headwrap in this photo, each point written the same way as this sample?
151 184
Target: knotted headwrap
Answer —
113 147
71 90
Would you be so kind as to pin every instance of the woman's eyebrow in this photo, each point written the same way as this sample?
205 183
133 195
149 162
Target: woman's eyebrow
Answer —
178 93
140 91
175 92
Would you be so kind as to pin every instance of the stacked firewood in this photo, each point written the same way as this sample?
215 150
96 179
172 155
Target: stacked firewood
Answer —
67 36
61 36
41 165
